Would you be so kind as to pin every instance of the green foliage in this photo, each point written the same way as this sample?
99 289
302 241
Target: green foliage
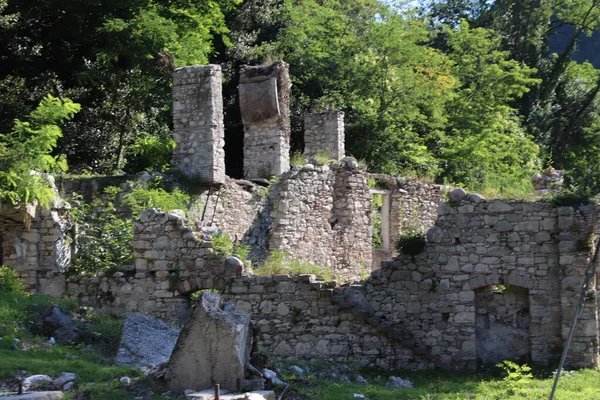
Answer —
517 376
28 147
376 204
224 246
297 158
280 263
10 281
570 198
144 197
485 145
196 295
104 240
411 242
150 153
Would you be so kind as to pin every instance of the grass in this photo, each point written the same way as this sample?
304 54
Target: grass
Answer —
280 263
445 385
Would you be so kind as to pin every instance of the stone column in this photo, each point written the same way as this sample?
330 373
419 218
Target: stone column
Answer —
265 106
324 134
198 123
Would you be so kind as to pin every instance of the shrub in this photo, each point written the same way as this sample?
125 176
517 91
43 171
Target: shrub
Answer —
142 198
570 198
9 281
223 246
104 241
411 242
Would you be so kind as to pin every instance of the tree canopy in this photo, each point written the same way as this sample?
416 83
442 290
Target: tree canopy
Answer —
458 91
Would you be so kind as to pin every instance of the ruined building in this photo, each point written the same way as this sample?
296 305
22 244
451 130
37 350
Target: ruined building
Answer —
497 279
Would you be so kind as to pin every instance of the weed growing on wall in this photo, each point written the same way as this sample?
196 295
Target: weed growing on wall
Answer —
297 158
411 242
223 246
280 263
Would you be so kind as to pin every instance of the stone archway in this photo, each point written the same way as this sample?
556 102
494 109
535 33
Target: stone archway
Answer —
502 324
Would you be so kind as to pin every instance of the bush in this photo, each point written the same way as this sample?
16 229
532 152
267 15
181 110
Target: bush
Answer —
104 241
10 281
570 198
223 246
411 242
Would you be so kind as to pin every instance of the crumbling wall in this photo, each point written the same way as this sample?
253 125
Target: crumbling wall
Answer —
171 261
36 243
428 303
322 215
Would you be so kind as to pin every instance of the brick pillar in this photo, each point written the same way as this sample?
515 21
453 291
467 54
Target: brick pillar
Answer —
324 133
198 123
265 106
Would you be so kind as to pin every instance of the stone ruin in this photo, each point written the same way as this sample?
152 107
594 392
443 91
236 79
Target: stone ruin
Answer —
495 274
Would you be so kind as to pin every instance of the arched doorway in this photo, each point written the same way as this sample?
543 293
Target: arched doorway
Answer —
502 324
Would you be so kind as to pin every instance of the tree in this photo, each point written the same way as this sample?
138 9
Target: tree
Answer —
113 57
485 145
25 153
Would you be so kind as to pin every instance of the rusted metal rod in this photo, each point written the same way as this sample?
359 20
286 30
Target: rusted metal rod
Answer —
217 392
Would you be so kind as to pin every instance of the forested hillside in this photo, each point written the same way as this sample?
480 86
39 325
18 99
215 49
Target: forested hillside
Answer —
457 91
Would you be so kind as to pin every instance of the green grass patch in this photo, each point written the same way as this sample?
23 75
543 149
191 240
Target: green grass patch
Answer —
280 263
446 385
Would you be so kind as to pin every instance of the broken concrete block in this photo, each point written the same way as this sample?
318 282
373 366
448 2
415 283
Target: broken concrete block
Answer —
213 348
145 341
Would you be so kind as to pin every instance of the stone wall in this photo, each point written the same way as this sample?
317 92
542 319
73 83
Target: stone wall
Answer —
198 123
435 303
36 243
299 318
234 207
322 215
408 204
324 134
265 106
171 261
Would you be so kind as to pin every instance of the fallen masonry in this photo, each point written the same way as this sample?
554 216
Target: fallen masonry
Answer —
213 347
